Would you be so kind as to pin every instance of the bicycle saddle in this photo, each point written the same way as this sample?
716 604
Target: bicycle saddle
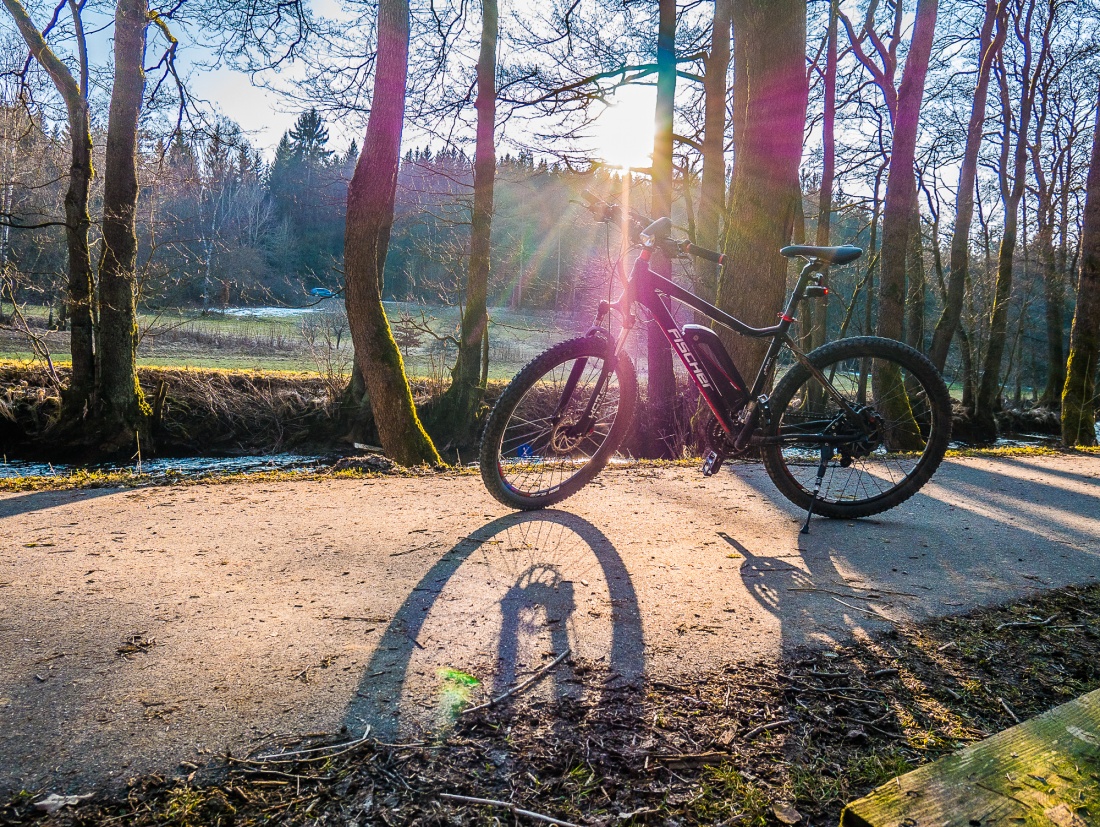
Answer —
829 255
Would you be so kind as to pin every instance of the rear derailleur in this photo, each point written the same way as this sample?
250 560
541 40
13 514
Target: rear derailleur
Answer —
873 426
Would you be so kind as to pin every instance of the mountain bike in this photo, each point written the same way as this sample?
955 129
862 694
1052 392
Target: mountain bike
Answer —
853 428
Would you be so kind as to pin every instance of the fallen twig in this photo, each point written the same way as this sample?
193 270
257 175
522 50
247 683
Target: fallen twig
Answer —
295 756
490 802
770 725
828 591
1026 624
882 673
535 678
417 548
875 615
1008 709
691 758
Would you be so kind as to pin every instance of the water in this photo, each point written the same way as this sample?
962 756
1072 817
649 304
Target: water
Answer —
176 466
269 312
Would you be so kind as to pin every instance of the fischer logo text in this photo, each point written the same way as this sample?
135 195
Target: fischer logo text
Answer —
688 358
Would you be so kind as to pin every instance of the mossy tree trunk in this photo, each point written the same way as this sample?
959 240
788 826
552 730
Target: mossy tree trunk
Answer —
989 46
77 397
770 96
1013 174
120 409
460 403
1079 393
371 196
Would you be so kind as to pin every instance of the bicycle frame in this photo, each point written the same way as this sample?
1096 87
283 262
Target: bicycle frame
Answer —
648 288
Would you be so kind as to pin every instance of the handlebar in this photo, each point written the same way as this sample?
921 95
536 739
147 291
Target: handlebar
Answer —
702 252
649 231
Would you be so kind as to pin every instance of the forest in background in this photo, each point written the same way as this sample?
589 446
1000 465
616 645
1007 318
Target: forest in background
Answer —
1008 88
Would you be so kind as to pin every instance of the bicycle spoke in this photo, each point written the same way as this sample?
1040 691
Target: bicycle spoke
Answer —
538 451
875 454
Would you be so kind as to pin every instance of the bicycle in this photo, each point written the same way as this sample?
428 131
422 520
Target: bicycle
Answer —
853 428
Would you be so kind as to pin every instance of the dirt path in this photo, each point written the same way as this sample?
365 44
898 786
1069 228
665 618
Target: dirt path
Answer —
141 629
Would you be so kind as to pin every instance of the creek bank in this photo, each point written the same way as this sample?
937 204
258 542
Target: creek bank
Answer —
222 413
205 413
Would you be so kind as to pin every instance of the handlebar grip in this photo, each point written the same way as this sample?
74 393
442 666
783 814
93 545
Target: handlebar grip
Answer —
702 252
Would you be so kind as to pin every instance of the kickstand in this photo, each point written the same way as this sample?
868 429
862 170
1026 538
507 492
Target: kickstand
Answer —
826 455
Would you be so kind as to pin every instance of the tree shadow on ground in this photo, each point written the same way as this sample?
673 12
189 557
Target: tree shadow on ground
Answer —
30 502
1008 536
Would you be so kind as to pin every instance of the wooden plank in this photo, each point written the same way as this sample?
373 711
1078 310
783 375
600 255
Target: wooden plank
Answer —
1045 771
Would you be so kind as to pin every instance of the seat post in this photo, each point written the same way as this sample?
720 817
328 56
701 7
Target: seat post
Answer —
804 278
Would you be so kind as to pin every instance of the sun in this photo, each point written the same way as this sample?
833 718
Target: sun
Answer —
623 132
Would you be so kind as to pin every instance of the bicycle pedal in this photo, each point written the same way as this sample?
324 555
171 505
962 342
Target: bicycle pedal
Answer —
711 463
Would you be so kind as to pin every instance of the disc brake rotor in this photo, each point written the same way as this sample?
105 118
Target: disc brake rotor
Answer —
562 441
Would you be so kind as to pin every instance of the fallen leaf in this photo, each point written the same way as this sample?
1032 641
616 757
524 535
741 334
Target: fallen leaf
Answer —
786 813
54 802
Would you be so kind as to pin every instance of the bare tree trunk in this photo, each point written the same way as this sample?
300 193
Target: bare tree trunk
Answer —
1079 394
828 169
901 186
661 395
120 405
77 398
712 189
1011 195
1054 295
988 48
967 356
873 257
770 93
915 275
371 196
459 405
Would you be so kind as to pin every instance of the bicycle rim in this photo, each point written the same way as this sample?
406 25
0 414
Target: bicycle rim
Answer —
872 465
541 449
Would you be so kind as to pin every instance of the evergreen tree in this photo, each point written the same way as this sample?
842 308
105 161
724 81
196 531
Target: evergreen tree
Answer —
307 183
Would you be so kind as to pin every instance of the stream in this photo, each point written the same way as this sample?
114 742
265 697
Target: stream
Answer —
175 467
195 467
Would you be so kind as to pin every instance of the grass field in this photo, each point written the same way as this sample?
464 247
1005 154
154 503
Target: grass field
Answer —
314 340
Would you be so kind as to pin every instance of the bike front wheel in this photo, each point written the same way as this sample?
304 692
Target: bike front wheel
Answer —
868 461
557 423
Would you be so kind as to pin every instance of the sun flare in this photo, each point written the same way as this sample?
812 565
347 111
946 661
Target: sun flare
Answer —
623 132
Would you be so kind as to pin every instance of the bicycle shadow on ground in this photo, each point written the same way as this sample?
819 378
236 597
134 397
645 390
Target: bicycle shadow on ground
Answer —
978 534
493 610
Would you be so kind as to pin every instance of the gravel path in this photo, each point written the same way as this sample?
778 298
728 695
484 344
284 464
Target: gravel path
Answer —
144 628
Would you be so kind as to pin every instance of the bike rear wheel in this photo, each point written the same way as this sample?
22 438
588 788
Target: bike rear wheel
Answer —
547 437
875 462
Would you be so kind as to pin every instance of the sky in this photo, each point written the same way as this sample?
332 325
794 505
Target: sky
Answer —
623 137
